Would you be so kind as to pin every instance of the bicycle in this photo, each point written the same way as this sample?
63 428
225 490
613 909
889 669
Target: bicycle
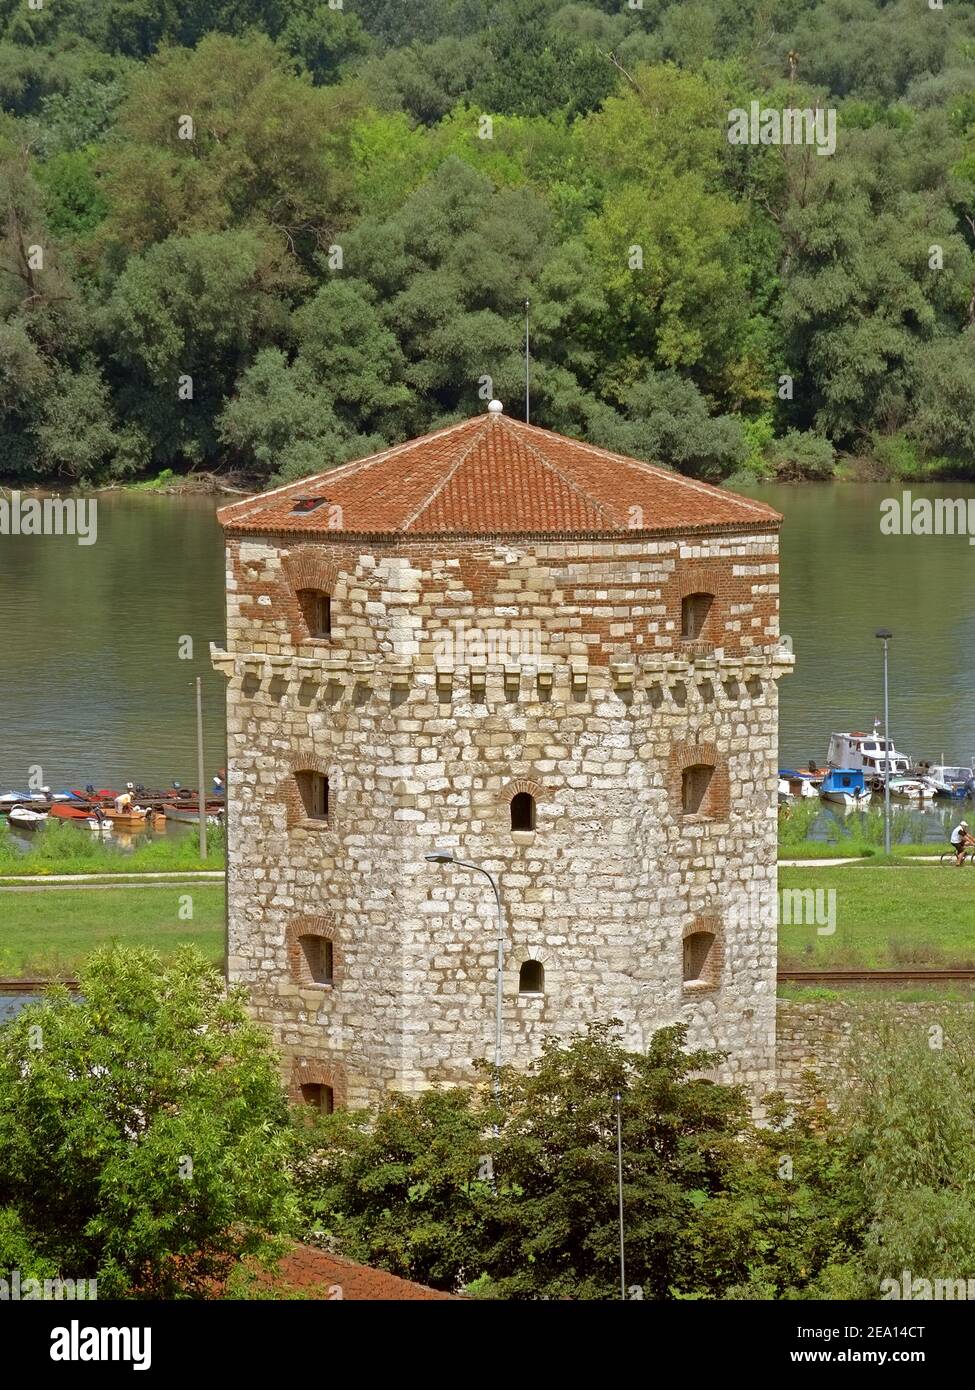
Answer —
950 857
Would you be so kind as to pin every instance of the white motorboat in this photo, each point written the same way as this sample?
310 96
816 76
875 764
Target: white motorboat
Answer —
911 789
875 757
26 819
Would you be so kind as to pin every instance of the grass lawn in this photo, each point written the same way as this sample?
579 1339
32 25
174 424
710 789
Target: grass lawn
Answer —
52 931
854 849
887 916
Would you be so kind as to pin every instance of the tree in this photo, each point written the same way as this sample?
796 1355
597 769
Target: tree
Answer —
450 272
517 1197
876 268
406 1187
225 136
281 425
143 1128
182 321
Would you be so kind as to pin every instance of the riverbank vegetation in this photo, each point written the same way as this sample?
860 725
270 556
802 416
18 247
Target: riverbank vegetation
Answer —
59 848
859 834
164 1185
263 239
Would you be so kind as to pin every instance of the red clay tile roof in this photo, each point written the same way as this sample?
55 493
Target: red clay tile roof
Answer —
493 475
319 1276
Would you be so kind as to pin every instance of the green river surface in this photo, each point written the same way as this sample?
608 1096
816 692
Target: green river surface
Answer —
92 687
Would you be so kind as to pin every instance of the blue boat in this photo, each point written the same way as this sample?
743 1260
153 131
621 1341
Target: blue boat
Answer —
953 782
845 785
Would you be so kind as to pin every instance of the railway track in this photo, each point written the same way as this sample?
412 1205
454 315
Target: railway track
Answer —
873 977
24 986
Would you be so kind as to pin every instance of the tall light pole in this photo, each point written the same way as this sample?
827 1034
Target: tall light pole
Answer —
442 857
199 768
885 635
619 1179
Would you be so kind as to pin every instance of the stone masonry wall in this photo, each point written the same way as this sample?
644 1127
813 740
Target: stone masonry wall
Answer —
425 741
816 1037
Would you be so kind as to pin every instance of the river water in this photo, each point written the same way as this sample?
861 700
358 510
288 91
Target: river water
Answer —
92 687
841 580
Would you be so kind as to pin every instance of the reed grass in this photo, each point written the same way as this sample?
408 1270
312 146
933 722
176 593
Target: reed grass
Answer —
62 848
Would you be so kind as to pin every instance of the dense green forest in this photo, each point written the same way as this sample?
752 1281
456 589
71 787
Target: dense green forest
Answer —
265 237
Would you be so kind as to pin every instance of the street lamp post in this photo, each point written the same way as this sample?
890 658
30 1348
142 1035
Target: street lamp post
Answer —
885 635
619 1183
443 857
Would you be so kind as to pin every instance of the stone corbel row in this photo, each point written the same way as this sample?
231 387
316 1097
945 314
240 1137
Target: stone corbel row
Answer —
356 670
624 677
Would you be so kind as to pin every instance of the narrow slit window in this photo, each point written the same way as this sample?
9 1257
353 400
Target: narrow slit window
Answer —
317 954
317 609
698 956
523 811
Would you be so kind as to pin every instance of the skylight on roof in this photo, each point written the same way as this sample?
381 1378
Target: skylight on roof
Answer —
308 504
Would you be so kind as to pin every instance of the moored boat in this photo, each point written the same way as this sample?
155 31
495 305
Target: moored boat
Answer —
847 786
136 819
908 789
63 810
802 783
875 757
25 819
953 782
187 816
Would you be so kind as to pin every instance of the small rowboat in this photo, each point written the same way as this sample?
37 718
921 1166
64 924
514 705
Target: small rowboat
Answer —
25 819
134 820
63 810
100 827
188 816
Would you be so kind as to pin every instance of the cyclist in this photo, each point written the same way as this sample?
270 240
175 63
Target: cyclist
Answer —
960 840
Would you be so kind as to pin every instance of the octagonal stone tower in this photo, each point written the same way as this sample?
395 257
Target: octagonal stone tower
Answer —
553 661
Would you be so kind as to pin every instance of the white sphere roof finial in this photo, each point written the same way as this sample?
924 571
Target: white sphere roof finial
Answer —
495 408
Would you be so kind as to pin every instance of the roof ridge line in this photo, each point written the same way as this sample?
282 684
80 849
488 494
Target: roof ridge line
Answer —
672 474
408 521
260 498
554 468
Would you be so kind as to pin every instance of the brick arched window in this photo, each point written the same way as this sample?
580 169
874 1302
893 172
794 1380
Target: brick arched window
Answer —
699 783
694 612
313 954
318 1084
522 797
702 953
318 1096
311 574
308 793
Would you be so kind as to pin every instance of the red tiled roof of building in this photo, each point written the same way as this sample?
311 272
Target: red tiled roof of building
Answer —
496 476
319 1275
